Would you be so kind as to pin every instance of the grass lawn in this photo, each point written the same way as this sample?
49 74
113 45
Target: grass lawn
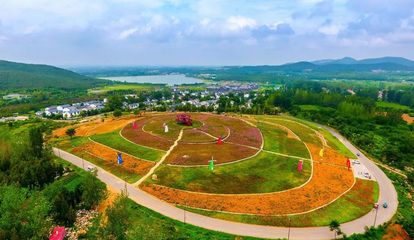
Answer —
350 206
276 140
386 105
114 140
264 173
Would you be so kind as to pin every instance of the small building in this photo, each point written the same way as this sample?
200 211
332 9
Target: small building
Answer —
133 105
61 107
58 233
70 112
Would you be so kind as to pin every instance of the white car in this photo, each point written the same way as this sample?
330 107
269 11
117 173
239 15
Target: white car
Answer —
91 169
357 162
365 174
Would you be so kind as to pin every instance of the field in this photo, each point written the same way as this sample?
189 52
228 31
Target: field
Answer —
262 174
255 172
328 182
135 87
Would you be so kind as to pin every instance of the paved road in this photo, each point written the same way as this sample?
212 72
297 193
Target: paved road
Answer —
387 193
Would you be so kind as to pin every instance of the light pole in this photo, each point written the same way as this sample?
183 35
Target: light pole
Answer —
375 219
83 163
290 220
185 205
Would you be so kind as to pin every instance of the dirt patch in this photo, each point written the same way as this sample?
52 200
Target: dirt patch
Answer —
112 193
396 232
407 118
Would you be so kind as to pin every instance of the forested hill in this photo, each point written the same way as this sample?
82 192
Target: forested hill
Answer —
34 76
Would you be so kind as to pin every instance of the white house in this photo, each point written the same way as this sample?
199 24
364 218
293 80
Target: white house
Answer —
61 107
133 105
51 110
70 112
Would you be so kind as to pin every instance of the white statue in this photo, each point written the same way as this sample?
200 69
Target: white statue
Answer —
166 127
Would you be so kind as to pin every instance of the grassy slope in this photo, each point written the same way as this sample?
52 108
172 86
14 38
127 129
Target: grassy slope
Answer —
172 229
352 205
304 133
332 141
114 140
264 173
276 140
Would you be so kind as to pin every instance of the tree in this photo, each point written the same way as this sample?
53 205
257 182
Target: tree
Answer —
118 217
93 190
117 113
83 114
115 102
70 132
137 112
335 226
62 209
36 141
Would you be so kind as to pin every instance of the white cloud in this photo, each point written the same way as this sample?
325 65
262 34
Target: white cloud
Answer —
125 34
235 23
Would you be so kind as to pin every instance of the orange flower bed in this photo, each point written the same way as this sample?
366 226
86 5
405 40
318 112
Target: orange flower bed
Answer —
81 128
329 156
111 124
110 158
200 154
327 183
96 126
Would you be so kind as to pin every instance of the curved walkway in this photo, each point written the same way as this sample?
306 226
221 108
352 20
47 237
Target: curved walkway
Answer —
387 193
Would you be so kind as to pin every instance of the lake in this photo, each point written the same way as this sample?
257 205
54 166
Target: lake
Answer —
157 79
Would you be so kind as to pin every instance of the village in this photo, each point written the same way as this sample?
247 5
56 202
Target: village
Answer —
238 94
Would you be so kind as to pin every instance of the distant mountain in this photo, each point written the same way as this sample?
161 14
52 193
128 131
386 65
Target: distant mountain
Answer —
322 62
345 60
397 60
34 76
310 67
349 60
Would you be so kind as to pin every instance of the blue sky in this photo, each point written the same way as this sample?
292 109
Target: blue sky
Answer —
204 32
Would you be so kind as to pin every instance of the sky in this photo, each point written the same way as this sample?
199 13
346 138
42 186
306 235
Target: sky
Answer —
203 32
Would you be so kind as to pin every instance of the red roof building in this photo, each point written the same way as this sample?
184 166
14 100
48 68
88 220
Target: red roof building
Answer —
58 233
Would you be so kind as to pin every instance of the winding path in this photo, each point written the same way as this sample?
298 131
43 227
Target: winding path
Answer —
387 194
